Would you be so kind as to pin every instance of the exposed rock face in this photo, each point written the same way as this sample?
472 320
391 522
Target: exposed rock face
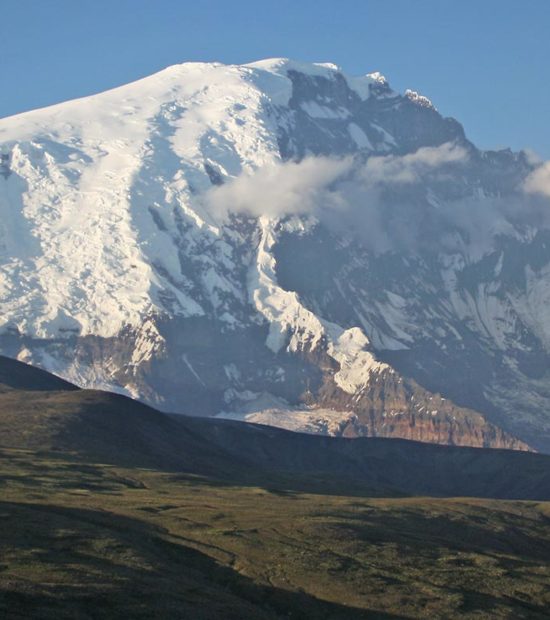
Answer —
391 406
155 242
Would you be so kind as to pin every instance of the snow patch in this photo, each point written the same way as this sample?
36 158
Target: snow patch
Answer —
420 100
315 110
359 136
265 408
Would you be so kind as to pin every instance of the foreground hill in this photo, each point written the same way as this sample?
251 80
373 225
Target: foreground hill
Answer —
111 428
110 509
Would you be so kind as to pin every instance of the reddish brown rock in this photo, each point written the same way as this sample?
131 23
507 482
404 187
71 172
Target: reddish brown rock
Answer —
393 406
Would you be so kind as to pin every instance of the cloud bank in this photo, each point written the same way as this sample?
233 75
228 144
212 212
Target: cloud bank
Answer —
316 184
377 199
413 167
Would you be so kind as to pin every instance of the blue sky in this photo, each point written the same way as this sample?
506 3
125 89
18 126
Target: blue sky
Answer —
485 62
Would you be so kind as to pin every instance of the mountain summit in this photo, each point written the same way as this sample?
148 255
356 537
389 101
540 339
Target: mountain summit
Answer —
283 243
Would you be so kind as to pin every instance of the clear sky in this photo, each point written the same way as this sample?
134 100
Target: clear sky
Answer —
485 62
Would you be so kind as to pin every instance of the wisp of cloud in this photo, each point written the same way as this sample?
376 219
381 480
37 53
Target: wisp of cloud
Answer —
375 198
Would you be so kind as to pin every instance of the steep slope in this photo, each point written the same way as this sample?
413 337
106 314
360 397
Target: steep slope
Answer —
109 428
155 242
15 375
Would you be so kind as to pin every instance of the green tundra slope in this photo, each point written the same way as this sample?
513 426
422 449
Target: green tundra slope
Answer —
109 509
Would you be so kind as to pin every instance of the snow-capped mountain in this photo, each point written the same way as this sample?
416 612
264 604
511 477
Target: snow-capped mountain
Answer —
283 243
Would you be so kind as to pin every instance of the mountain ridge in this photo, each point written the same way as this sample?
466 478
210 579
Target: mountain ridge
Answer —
59 419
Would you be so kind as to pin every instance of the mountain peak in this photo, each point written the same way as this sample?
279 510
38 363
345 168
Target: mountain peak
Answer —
282 66
419 99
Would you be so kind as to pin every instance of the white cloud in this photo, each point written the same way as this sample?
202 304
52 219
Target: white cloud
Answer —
317 185
281 189
532 157
411 167
372 199
538 182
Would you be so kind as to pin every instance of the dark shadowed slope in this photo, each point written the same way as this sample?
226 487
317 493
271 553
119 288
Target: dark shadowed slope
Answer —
110 428
19 376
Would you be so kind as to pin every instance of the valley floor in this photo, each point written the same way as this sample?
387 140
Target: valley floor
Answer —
85 540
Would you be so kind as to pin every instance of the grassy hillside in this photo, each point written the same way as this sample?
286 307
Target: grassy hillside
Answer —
109 509
85 540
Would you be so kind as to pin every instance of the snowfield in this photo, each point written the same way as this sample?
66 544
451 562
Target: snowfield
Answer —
81 250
